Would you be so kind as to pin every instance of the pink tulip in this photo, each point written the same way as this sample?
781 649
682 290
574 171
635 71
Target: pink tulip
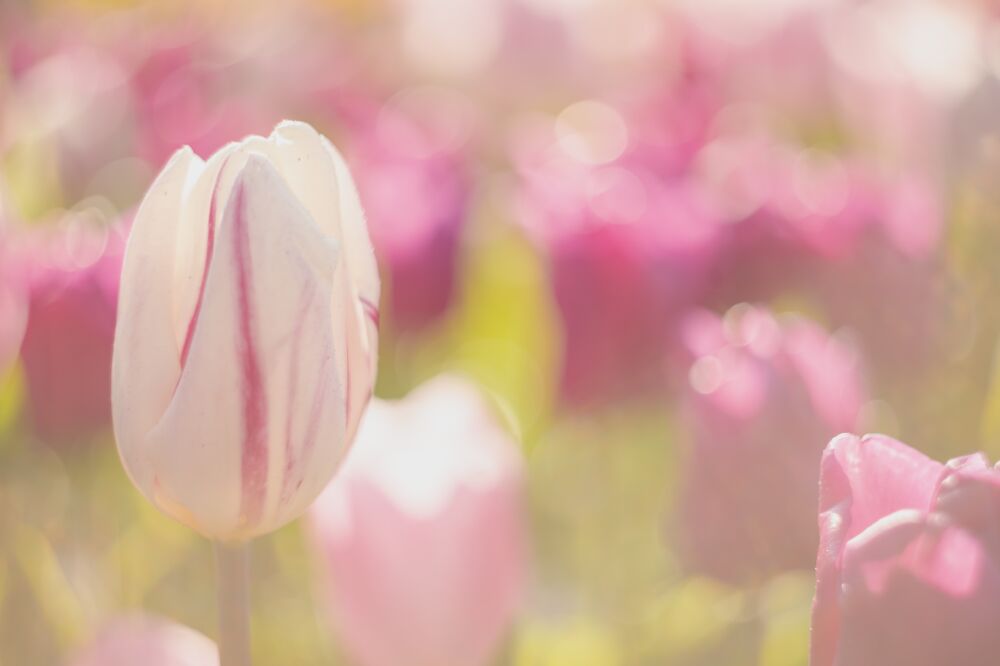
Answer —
630 242
909 561
73 293
891 288
149 641
415 192
180 94
421 532
245 351
764 397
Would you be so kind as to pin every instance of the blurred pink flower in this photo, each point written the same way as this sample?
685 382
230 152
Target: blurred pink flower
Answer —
72 275
909 561
71 100
422 533
149 641
764 396
180 86
415 190
629 239
892 288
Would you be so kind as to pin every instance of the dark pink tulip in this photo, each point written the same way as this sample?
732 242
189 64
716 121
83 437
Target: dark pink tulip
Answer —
790 210
73 290
763 398
149 641
908 570
891 288
630 242
421 532
416 194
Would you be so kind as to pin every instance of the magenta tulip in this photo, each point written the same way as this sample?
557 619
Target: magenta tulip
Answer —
73 292
764 397
421 533
416 196
630 244
149 641
908 570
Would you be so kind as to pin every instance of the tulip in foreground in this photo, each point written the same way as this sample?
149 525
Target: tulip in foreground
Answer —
908 570
421 533
245 350
149 641
764 397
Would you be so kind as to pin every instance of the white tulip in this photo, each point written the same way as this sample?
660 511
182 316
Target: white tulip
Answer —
245 350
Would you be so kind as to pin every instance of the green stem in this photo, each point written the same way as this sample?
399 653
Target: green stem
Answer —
232 563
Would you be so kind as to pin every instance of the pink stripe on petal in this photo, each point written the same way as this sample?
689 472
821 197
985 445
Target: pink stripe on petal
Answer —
254 462
209 251
371 310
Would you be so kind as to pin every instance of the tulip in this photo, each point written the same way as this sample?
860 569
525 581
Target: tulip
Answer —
764 397
178 86
150 641
630 245
421 533
908 569
416 196
66 353
245 351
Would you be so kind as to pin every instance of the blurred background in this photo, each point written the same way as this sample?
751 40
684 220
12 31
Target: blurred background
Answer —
675 244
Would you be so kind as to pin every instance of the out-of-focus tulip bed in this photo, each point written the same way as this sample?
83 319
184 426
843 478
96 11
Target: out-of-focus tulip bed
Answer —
641 260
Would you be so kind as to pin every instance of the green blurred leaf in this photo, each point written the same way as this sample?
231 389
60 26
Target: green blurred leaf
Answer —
580 642
50 585
787 603
505 333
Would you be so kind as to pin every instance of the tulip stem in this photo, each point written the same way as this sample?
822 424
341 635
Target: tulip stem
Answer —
232 562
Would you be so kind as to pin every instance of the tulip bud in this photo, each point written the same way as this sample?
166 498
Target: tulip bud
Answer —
149 641
245 350
908 570
422 534
764 396
73 291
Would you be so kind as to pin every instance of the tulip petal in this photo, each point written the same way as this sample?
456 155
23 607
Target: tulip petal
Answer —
230 457
146 362
150 641
861 480
321 181
200 217
918 595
